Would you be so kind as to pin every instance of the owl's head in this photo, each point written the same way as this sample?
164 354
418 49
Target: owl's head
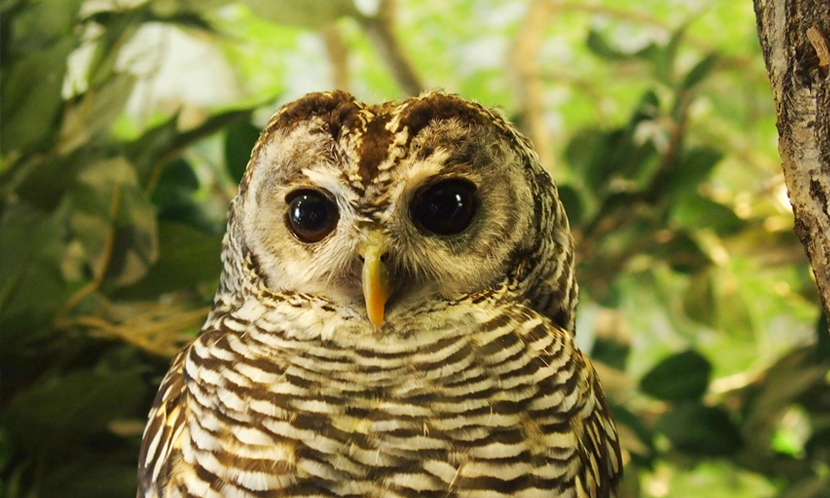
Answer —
386 210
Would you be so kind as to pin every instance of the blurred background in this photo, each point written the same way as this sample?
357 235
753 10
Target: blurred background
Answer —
127 124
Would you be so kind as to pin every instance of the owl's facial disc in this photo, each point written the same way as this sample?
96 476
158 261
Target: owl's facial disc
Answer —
385 211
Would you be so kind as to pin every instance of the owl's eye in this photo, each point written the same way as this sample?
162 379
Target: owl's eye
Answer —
311 215
446 207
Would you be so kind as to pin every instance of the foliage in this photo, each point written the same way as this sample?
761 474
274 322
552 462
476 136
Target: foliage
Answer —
119 158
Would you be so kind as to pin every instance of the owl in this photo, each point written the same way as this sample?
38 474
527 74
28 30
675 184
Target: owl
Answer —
395 318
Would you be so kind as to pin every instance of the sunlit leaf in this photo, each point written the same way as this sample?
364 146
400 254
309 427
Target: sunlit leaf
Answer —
169 7
120 26
95 110
239 141
684 376
308 13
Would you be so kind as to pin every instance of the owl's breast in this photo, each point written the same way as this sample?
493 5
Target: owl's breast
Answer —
450 410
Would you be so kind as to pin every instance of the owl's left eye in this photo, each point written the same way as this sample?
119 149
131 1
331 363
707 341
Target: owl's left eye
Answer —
446 207
311 215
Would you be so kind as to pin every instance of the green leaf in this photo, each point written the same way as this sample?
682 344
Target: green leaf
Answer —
32 100
584 150
823 336
177 198
699 299
682 253
683 376
151 152
695 166
572 201
306 13
41 23
694 212
239 142
136 240
612 351
799 377
701 70
90 477
637 437
665 57
62 411
157 142
110 208
6 448
617 154
167 8
188 257
600 46
176 186
119 27
32 288
700 430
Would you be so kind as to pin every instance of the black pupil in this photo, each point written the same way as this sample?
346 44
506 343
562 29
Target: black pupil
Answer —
445 208
311 216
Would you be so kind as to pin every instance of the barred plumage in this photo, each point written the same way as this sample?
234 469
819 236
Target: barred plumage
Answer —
461 379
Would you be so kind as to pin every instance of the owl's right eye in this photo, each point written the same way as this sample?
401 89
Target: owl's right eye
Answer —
311 215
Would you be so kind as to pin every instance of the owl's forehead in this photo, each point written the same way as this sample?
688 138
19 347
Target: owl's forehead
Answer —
368 149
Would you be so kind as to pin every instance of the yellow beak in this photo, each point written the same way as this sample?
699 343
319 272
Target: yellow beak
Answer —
375 278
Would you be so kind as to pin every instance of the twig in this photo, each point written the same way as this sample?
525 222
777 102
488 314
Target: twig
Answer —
380 29
159 332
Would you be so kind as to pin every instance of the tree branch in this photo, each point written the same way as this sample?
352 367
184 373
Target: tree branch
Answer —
338 57
794 36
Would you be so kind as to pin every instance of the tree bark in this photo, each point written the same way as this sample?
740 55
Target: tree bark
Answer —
795 39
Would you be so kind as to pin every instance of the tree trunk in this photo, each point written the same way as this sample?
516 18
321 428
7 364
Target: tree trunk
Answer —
795 38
